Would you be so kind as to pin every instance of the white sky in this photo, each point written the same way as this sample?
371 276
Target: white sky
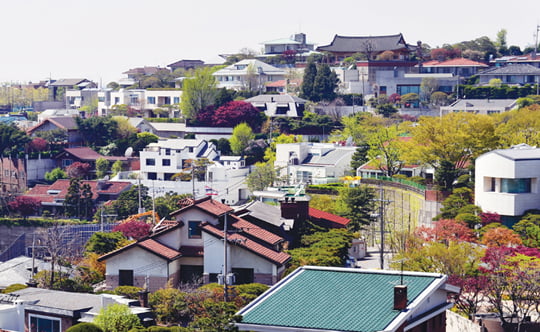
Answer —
100 39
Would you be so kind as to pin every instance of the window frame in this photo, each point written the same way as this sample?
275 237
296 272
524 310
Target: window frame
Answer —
54 319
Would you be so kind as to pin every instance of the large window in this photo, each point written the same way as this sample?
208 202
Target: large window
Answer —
516 186
44 324
166 162
150 162
151 100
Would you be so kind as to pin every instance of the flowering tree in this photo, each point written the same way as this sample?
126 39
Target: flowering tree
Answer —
38 144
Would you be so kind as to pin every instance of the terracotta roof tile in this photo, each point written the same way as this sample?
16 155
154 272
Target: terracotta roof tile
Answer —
241 241
206 204
321 215
61 187
159 249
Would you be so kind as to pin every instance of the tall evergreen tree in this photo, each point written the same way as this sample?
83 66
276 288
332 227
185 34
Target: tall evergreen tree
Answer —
309 79
72 201
325 84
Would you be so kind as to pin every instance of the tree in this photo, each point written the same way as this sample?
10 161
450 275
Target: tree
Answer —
452 205
25 205
528 229
457 138
270 152
37 144
142 140
55 174
359 202
438 98
501 237
104 242
262 176
386 109
116 167
117 318
359 157
12 140
215 316
519 126
127 203
58 247
308 81
85 327
240 138
471 294
325 84
169 305
78 169
102 168
168 203
386 150
97 131
446 230
427 87
236 112
199 91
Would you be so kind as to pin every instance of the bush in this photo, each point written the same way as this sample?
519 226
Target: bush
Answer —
131 292
85 327
418 179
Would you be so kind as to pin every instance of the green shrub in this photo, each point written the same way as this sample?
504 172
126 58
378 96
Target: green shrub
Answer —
14 288
418 179
399 176
131 292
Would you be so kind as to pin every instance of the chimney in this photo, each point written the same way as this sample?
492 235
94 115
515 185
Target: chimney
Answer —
143 298
400 297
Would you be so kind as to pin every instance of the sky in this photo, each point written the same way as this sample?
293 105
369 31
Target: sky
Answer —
101 39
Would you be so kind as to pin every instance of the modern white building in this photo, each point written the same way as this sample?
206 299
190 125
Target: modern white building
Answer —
144 100
315 163
507 181
248 74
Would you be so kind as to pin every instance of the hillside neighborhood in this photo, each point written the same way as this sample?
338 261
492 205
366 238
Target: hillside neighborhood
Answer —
363 183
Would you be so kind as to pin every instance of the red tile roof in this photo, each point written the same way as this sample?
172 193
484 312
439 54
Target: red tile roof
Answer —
256 231
159 249
457 62
325 216
277 257
61 186
206 204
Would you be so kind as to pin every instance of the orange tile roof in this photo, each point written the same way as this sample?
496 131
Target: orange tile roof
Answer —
325 216
206 204
277 257
256 231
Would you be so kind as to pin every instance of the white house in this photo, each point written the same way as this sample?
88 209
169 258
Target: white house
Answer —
145 100
191 249
248 74
507 180
315 163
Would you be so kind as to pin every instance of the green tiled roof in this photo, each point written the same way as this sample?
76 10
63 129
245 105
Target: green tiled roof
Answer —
341 299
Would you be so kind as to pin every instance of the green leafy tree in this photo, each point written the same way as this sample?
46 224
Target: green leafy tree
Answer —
215 316
128 202
360 157
102 168
262 176
359 203
84 327
12 140
55 174
117 318
386 110
270 152
104 242
142 140
454 203
116 167
241 136
529 230
168 203
199 92
386 150
97 131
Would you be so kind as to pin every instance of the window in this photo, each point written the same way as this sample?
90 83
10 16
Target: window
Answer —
151 100
516 186
166 162
125 277
150 162
194 232
152 176
66 162
45 324
116 100
176 100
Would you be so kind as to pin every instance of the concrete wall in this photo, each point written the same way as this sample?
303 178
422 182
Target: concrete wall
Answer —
457 323
36 168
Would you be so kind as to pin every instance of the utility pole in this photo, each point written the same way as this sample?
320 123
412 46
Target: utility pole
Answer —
225 267
382 203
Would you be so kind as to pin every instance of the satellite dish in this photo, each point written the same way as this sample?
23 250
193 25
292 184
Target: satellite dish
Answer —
129 152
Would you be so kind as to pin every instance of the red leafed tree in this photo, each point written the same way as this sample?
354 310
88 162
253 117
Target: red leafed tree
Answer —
37 144
471 293
501 236
25 205
489 218
133 229
236 112
447 230
78 169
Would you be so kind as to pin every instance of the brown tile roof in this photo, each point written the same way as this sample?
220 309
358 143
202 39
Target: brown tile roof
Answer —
277 257
206 204
62 122
256 231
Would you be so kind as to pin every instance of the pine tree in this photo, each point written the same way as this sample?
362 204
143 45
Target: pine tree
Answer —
325 84
309 79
